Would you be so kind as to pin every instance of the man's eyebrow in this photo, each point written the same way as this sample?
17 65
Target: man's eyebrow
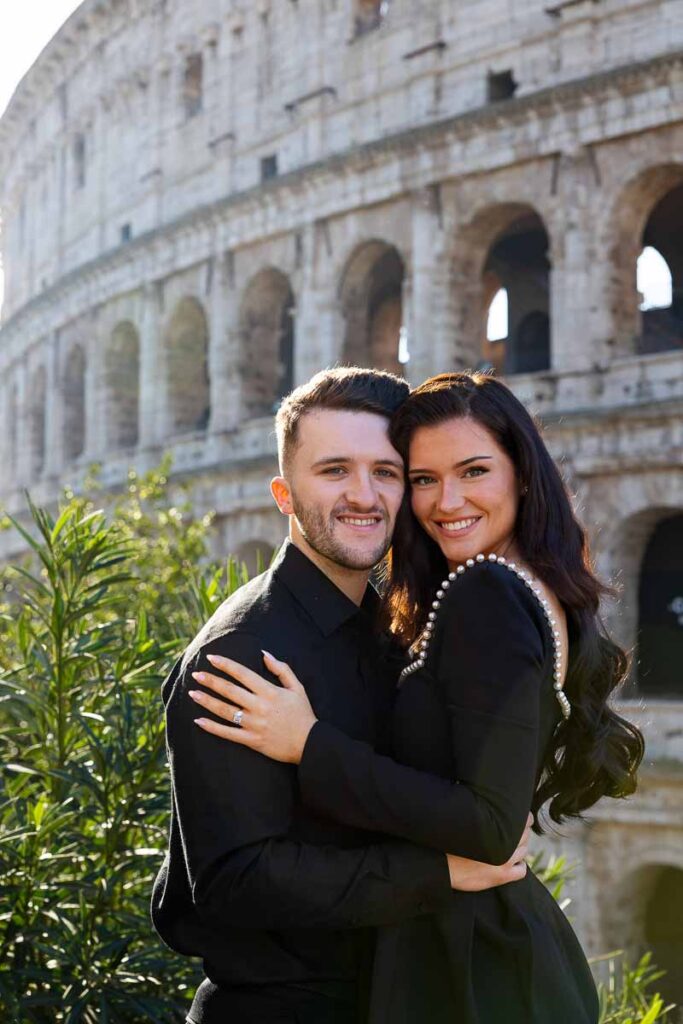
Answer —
331 460
458 465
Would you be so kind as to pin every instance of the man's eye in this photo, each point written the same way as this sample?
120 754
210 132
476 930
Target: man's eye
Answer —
333 470
391 473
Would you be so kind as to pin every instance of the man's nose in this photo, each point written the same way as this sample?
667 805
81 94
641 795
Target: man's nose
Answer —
362 490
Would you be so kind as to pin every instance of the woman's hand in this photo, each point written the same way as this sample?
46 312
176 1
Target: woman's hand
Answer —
275 720
473 876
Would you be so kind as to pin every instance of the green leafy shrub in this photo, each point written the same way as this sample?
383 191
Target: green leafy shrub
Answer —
92 625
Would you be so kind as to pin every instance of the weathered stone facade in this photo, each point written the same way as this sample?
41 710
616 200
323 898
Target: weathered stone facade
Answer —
205 202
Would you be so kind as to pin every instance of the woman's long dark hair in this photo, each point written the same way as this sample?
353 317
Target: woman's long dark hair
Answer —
595 752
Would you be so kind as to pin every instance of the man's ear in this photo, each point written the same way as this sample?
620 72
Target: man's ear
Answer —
279 488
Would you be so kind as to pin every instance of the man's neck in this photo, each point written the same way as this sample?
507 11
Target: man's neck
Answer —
352 582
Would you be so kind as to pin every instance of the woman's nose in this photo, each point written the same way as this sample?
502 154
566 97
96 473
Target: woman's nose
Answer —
451 497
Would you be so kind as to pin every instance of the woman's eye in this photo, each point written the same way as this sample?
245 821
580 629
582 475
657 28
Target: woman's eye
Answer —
421 481
474 471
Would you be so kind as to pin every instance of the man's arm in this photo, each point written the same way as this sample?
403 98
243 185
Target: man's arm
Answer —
234 810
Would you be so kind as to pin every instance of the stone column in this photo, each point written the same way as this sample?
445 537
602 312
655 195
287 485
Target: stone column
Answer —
54 441
428 317
224 348
318 328
579 289
94 400
22 462
152 369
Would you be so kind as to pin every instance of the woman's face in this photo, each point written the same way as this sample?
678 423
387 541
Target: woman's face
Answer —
464 489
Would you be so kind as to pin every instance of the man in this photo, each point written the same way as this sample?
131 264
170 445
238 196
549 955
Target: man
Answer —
279 902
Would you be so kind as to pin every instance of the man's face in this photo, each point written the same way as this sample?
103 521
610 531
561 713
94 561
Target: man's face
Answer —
344 485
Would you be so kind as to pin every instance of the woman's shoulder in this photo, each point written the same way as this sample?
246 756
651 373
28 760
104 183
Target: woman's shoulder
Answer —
501 588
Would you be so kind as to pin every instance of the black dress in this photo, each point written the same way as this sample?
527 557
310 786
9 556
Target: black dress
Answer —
470 729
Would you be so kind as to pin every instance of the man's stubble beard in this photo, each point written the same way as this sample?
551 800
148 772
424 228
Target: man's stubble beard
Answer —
318 532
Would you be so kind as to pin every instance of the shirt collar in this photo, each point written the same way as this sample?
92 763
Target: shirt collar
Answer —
324 602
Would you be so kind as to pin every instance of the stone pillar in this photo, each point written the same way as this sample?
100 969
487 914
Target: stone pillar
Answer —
153 388
22 461
224 348
318 329
428 314
94 447
54 441
580 281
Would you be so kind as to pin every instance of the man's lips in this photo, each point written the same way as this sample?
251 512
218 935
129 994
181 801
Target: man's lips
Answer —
457 527
365 522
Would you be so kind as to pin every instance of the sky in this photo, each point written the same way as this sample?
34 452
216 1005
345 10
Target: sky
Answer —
26 27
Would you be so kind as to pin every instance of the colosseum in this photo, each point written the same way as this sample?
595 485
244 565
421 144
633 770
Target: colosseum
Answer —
205 202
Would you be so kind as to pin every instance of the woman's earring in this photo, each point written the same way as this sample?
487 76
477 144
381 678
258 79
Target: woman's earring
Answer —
525 490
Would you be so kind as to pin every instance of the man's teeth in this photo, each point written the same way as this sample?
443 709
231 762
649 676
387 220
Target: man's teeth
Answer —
462 524
358 522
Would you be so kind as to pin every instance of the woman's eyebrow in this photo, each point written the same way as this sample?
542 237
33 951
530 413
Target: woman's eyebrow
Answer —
465 462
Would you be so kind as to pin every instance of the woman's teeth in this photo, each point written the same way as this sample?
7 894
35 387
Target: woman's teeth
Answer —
461 524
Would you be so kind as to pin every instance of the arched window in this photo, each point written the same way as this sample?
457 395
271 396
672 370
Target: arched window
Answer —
122 385
660 611
267 329
187 348
193 84
518 321
663 935
369 14
74 403
372 306
660 276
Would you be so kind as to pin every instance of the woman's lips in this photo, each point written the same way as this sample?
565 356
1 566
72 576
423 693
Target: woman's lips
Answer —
457 527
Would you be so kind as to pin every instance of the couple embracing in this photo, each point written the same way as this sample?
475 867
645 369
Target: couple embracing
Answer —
354 775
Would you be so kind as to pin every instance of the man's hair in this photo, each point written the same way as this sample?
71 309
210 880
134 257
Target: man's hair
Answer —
349 388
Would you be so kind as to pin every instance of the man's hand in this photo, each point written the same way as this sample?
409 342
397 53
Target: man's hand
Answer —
473 876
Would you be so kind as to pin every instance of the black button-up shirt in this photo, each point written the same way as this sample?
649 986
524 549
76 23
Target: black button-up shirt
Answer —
268 892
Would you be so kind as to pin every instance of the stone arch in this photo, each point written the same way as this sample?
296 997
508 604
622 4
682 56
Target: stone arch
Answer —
660 610
505 246
255 554
648 212
267 336
625 554
73 395
122 386
645 914
371 299
186 344
37 421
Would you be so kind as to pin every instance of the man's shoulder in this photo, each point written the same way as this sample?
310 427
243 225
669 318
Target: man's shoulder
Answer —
247 611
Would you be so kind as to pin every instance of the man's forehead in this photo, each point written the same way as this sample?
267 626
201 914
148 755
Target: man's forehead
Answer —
347 431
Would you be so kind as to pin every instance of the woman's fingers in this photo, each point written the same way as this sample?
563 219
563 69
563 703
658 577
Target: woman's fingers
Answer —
283 672
226 689
227 732
218 707
252 680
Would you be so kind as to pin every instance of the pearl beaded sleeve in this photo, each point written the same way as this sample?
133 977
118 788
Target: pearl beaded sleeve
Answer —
420 656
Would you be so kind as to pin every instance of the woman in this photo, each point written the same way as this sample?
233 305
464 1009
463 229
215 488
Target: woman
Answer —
503 707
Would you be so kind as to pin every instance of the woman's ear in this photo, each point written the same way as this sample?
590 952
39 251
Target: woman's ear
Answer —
280 490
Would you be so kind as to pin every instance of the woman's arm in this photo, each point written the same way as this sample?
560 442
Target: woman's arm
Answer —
488 658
